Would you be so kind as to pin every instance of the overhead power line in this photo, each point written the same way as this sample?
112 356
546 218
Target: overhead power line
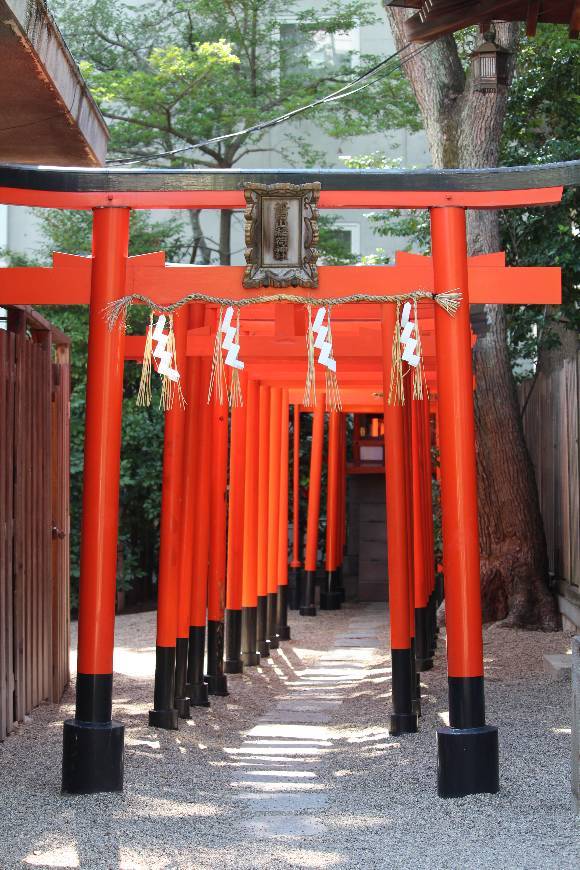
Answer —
363 81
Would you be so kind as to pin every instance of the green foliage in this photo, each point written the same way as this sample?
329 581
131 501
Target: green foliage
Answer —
542 127
169 73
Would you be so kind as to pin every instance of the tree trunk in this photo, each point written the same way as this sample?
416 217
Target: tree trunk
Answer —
464 130
225 236
199 244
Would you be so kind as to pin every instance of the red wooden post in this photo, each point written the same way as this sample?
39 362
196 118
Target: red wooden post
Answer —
233 623
250 655
263 470
295 564
308 607
197 690
164 714
216 679
192 389
330 598
404 716
92 743
421 571
468 749
282 627
430 542
343 511
273 513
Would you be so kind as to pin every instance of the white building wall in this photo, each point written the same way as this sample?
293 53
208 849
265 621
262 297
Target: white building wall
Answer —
22 226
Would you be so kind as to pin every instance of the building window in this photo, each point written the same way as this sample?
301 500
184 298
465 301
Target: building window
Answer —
320 49
339 241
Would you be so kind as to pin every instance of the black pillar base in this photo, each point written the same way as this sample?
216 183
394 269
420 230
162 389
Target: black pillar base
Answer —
272 607
183 708
181 701
250 654
467 761
92 758
330 600
403 723
167 719
308 607
262 642
424 664
439 589
197 694
217 684
164 714
294 588
282 627
233 663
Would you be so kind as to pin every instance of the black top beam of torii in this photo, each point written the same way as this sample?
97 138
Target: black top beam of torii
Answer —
112 179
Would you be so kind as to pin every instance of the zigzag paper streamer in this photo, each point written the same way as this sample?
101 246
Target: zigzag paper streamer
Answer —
229 342
407 341
324 346
161 353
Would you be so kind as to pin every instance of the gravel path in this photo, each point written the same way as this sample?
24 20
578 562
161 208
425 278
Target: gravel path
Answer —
295 769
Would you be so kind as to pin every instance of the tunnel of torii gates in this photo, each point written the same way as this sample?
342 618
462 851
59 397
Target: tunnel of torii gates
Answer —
231 565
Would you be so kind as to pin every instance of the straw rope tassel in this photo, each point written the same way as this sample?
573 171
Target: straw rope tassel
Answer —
236 398
397 390
333 399
217 377
310 386
170 387
420 389
144 394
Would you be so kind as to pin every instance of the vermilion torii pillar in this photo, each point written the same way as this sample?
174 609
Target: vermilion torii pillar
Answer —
295 564
164 714
282 627
308 607
468 748
93 745
330 597
404 716
250 654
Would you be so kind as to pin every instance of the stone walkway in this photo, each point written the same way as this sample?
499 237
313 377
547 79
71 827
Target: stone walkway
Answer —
296 769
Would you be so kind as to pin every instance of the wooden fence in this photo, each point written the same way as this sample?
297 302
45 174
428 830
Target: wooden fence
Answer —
34 515
551 427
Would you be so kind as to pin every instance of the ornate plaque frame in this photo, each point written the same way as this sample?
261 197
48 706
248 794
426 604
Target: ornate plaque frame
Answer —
281 235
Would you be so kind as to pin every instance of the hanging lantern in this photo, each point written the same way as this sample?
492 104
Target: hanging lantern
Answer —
489 64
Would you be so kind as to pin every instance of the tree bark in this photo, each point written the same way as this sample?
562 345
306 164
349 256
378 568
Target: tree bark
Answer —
199 244
464 130
225 236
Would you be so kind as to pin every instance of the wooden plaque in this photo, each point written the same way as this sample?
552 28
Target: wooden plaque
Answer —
281 235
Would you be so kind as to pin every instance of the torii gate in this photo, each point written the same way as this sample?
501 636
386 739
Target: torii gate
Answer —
93 744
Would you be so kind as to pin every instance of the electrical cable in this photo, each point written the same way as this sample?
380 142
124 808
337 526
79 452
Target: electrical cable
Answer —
346 91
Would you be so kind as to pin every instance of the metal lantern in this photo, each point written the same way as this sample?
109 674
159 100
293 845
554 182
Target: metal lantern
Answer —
489 64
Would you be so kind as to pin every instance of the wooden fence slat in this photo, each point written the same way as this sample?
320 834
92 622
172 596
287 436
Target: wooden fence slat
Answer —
552 429
4 616
572 394
10 416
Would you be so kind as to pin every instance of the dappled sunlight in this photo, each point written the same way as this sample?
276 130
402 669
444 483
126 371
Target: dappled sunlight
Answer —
146 806
64 856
